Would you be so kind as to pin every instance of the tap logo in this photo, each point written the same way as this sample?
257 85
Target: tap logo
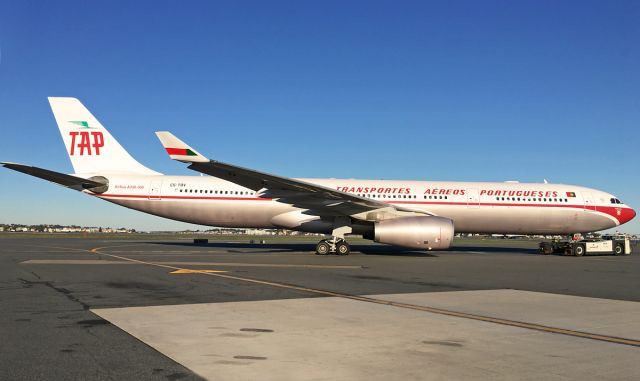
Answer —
84 141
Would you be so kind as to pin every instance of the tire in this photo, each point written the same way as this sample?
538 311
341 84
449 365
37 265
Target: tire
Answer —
342 248
579 250
323 248
618 249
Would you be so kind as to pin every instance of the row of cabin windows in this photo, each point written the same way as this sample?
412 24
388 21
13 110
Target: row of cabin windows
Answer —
209 191
532 199
401 196
386 195
430 197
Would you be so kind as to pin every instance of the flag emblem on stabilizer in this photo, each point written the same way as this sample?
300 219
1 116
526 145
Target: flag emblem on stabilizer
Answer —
181 151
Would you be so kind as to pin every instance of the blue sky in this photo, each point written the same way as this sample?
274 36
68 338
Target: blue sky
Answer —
448 90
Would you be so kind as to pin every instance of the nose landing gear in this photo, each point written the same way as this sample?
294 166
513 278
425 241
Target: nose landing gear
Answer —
333 245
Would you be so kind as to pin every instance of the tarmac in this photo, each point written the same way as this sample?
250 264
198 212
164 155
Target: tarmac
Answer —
109 309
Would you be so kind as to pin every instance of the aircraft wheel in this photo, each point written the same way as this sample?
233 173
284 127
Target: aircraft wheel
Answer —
578 251
342 248
323 248
618 249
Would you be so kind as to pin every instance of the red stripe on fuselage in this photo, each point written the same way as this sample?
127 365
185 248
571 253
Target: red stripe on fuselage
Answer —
144 196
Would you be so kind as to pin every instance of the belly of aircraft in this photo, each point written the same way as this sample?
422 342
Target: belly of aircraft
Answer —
243 214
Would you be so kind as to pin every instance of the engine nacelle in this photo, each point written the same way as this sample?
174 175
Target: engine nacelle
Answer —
427 233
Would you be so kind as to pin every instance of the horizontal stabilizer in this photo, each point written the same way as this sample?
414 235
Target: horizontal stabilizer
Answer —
77 183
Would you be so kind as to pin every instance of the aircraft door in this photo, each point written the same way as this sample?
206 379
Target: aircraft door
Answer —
473 200
588 201
154 190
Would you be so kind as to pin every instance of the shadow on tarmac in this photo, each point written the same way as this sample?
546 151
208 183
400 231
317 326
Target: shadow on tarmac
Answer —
355 248
298 247
490 249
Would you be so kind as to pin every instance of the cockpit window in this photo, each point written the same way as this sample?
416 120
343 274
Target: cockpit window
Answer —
613 200
616 201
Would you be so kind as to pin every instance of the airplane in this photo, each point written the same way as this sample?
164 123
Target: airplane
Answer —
411 214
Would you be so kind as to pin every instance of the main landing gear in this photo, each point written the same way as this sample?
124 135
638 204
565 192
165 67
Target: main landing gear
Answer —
336 244
333 245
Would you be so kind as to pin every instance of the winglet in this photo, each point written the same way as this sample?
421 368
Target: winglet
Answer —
179 150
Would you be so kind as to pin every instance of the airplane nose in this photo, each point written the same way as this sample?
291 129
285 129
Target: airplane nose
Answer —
627 214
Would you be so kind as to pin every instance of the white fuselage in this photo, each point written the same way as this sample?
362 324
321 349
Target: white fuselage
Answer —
475 207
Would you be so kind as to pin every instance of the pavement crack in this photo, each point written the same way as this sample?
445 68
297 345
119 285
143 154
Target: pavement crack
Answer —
35 275
65 292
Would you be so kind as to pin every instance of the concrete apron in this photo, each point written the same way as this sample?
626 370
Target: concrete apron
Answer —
335 338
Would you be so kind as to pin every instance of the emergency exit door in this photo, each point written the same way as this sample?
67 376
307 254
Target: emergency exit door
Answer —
154 190
588 201
473 200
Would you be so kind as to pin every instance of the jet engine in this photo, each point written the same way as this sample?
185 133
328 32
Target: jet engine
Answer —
97 189
427 233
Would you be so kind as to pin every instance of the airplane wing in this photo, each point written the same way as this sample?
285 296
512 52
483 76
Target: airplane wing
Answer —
73 182
319 199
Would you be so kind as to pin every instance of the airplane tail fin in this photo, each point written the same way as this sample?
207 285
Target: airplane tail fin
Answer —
90 146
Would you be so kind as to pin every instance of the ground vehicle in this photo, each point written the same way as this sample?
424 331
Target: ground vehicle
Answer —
608 244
